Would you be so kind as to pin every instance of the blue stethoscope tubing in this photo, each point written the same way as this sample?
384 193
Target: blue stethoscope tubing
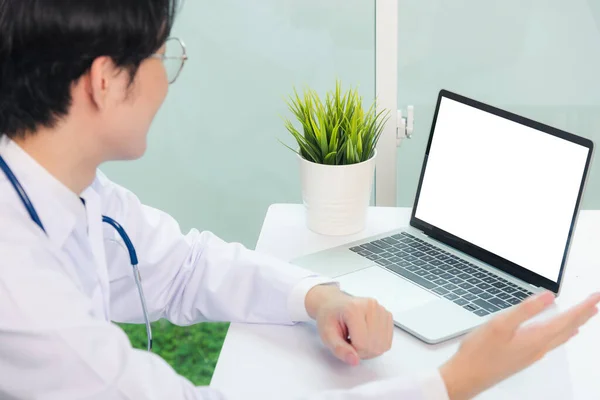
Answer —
124 236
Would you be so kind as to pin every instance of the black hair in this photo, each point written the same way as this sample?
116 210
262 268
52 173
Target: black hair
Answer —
47 45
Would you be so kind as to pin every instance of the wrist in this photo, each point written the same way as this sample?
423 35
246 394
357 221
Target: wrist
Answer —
456 381
320 295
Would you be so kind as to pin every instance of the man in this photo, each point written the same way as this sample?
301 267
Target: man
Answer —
80 82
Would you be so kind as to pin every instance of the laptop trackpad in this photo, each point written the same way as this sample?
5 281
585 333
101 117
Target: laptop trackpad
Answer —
391 291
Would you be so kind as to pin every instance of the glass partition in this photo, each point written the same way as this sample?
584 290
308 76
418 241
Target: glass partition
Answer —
537 58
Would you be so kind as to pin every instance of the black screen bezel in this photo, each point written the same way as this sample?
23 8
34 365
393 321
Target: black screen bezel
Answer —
476 251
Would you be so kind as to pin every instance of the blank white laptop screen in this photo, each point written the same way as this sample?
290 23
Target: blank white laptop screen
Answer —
505 187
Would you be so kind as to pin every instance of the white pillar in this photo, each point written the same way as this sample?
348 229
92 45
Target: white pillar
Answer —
386 91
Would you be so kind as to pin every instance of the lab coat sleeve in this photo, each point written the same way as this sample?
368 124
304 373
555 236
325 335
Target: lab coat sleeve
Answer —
195 277
426 387
52 348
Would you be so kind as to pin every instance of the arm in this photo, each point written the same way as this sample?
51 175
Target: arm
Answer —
195 277
50 346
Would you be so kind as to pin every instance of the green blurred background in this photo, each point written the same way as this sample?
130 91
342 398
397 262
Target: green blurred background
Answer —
193 350
213 159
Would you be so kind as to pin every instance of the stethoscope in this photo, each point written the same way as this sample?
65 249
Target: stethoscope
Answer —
132 254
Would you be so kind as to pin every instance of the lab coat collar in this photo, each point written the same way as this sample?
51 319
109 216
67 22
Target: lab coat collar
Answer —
59 209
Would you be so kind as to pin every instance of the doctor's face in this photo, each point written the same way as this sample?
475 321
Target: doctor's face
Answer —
130 108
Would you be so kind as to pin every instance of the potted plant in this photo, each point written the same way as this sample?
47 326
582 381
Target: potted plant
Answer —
337 142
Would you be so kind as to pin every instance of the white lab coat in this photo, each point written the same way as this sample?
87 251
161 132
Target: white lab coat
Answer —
59 293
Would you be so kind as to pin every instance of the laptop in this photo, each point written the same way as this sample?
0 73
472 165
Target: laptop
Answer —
492 221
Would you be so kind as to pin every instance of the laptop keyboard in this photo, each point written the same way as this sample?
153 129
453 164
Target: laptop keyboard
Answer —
451 277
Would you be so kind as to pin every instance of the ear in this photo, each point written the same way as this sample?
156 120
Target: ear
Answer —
100 79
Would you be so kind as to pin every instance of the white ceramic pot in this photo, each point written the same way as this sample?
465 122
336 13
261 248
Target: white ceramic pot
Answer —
336 197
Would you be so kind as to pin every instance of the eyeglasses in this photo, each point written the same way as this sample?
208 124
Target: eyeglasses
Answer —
174 58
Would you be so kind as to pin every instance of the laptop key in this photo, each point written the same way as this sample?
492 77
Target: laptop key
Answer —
415 278
469 296
412 268
364 253
427 258
469 270
421 272
452 261
470 307
520 295
485 295
383 262
440 282
486 306
489 279
437 271
456 281
454 271
381 244
493 290
499 303
418 263
475 290
466 286
446 276
356 249
371 248
446 267
460 291
450 286
480 275
373 257
436 263
451 296
484 285
395 268
440 290
426 266
390 240
411 258
464 276
473 281
499 285
509 289
513 301
503 296
461 302
430 277
482 313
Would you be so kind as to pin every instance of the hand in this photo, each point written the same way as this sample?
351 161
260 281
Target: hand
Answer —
352 328
503 347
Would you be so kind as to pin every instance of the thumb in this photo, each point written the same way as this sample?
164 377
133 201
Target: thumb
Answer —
334 339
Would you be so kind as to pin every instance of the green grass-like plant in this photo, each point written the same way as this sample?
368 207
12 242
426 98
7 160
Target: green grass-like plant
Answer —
337 132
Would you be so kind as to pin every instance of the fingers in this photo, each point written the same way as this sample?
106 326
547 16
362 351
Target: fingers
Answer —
531 307
370 328
336 341
570 321
356 322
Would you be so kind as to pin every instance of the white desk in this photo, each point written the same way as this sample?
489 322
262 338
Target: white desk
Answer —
275 362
